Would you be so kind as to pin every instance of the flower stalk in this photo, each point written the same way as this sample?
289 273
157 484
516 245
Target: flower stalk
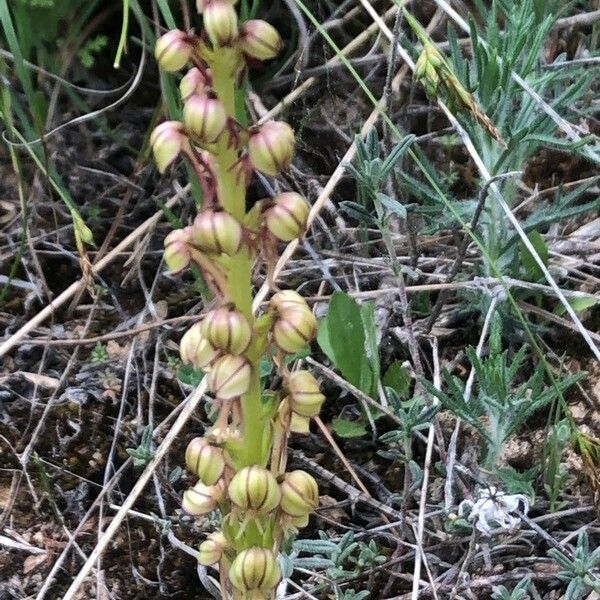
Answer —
241 462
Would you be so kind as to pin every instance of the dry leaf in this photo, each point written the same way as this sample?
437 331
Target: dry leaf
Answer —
43 381
33 562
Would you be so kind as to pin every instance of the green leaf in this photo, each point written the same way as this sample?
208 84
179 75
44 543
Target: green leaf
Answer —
391 205
397 378
577 304
367 313
528 262
345 428
341 336
190 375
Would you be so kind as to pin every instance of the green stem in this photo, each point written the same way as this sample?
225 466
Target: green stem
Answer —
231 191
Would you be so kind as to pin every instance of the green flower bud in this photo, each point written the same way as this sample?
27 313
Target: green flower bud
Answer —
271 147
255 569
205 118
201 499
205 461
287 216
217 232
260 40
288 300
173 50
211 549
299 494
305 396
254 488
167 140
193 82
229 377
177 252
294 329
227 329
195 349
220 22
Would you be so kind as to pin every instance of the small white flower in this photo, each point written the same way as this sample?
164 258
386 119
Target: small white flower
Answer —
493 508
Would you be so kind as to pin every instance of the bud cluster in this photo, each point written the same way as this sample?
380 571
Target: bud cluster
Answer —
240 463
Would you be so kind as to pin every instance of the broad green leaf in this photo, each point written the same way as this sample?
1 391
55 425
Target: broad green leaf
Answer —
367 313
190 375
348 429
341 336
397 378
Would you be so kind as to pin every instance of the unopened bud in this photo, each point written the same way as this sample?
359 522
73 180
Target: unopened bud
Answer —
254 488
255 569
227 329
220 22
193 82
201 499
230 377
260 40
288 300
177 252
211 549
205 118
271 147
195 349
167 141
305 396
287 216
299 494
294 329
173 50
205 461
217 232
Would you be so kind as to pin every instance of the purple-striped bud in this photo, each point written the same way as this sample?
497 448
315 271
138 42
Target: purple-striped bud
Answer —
177 252
205 117
229 377
217 232
294 329
201 499
193 82
173 50
167 140
254 488
227 329
299 494
287 216
207 462
255 570
260 40
195 349
271 147
220 22
288 300
305 395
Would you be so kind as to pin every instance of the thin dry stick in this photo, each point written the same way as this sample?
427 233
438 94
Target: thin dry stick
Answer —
340 454
146 226
419 554
485 174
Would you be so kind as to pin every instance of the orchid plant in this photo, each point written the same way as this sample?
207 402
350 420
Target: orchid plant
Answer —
241 461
